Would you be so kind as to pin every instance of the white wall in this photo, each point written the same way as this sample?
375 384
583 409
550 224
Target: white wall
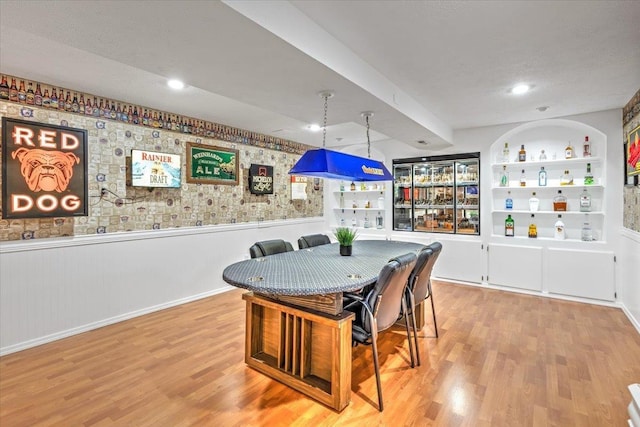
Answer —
55 288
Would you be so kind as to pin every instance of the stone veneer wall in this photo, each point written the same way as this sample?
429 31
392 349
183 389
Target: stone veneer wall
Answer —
125 208
631 120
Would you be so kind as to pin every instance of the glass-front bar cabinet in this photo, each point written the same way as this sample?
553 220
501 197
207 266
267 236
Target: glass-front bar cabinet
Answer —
437 194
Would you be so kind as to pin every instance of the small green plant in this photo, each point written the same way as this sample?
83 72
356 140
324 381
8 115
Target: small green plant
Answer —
345 235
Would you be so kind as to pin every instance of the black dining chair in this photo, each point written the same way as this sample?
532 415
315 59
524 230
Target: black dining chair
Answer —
269 247
378 310
312 240
419 287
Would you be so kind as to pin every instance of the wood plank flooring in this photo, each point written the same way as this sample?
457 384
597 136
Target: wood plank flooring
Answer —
502 359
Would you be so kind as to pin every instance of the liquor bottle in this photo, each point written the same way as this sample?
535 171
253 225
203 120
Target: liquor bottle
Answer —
534 203
46 99
342 224
509 226
4 88
533 229
61 101
566 179
367 224
522 154
68 102
75 105
523 179
585 201
30 97
504 177
13 91
113 114
341 200
54 98
560 202
559 233
588 177
543 156
508 202
586 233
379 221
22 93
586 147
38 95
505 153
542 177
88 107
352 187
341 185
354 220
363 186
568 152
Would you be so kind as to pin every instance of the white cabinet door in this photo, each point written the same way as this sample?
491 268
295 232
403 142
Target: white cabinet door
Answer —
515 266
588 274
460 260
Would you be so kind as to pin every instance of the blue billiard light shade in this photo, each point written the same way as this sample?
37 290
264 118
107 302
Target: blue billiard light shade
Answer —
323 163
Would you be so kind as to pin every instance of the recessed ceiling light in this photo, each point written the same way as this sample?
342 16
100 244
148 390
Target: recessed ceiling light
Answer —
314 127
175 84
543 108
520 89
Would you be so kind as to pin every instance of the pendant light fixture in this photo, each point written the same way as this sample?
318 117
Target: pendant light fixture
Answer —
329 164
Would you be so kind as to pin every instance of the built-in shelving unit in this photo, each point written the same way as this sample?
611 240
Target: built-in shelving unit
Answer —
362 208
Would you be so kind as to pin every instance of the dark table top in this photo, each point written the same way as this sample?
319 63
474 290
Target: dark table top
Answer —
316 271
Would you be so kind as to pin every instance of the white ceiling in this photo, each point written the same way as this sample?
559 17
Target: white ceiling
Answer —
425 68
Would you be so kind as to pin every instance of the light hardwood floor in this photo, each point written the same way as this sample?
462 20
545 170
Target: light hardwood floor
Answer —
502 359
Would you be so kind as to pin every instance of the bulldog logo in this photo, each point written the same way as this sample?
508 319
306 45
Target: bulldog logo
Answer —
46 170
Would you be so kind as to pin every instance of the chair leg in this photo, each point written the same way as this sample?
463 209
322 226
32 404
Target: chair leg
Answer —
376 364
406 323
412 304
433 310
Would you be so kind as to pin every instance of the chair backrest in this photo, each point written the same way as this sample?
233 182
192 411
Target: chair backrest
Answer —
386 296
421 274
269 247
313 240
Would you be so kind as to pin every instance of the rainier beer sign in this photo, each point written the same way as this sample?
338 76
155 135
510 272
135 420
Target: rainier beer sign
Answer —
43 170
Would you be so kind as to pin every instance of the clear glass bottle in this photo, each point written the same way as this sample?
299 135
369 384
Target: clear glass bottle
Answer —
542 177
533 229
567 178
341 185
509 226
342 223
522 154
534 203
354 220
504 177
341 200
586 147
586 234
559 233
523 179
568 152
543 156
367 224
505 153
379 221
508 202
585 201
560 202
588 177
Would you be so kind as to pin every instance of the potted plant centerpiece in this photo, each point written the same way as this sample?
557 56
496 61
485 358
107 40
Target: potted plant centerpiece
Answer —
345 237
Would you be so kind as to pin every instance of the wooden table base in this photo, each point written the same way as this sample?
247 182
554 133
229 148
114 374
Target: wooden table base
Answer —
308 351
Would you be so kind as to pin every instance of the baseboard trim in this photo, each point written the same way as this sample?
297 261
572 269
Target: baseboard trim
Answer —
110 321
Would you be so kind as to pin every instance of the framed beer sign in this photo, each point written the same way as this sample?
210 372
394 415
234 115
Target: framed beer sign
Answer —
44 170
261 179
207 164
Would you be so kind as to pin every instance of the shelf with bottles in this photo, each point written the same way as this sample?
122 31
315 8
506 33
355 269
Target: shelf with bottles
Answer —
557 226
590 175
361 218
579 199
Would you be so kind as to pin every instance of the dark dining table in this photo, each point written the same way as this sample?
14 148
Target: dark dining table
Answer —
296 331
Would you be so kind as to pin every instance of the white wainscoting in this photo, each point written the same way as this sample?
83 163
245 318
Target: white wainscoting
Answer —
54 288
